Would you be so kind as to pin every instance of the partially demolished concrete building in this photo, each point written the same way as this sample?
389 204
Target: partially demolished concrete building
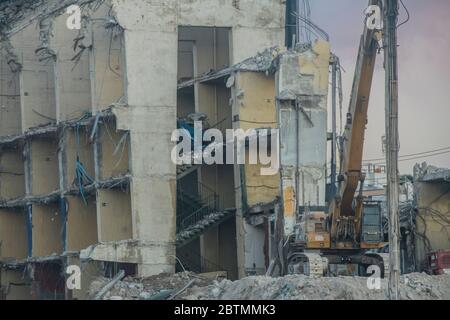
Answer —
88 111
87 116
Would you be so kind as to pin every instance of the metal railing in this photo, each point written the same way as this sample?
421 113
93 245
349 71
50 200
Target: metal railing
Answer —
187 213
212 206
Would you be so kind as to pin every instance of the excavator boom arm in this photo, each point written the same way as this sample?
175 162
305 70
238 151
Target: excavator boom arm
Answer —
353 138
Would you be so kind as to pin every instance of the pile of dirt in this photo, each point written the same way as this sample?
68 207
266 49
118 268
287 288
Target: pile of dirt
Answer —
295 287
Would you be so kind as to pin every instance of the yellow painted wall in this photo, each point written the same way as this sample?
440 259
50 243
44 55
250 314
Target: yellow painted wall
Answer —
44 166
317 65
256 105
47 238
12 178
13 234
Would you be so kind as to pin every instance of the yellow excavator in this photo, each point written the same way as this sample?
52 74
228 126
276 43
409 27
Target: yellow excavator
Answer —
351 232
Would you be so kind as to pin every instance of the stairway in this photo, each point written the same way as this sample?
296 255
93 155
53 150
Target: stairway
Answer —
198 209
192 231
186 201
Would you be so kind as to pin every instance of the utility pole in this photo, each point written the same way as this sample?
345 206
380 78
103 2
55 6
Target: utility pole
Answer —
392 143
334 68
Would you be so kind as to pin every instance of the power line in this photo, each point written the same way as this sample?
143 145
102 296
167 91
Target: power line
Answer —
408 15
426 156
420 157
412 154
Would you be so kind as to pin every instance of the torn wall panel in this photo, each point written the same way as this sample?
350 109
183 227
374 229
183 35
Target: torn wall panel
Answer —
78 146
114 148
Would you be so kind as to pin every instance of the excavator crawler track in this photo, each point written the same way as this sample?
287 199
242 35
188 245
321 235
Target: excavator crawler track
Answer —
310 264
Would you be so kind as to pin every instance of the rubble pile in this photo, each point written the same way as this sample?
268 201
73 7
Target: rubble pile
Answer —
159 287
295 287
414 286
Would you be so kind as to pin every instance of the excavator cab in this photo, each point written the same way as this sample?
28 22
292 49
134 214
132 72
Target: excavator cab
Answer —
372 226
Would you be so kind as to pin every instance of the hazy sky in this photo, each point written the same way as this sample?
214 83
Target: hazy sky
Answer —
424 74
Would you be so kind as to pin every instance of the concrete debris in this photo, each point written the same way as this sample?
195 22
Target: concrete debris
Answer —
426 173
160 287
414 286
263 61
109 285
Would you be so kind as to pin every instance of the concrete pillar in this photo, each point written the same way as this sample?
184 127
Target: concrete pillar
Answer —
151 41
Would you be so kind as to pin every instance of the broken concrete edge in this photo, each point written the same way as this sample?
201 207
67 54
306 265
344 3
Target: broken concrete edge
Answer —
131 251
263 207
426 173
55 127
265 61
14 264
27 200
126 251
262 62
32 12
113 182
